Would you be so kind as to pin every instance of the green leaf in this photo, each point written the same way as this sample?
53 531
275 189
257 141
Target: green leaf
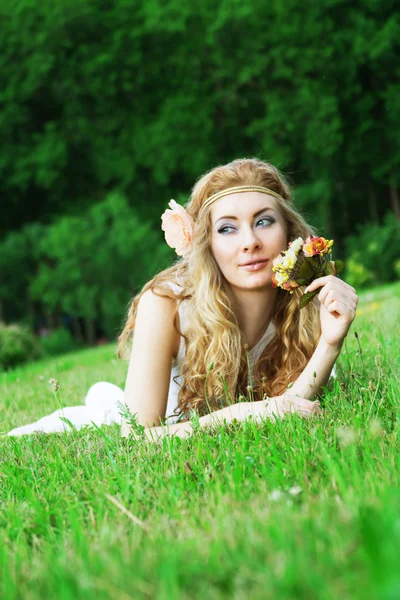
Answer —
306 271
329 270
315 263
339 266
306 298
302 280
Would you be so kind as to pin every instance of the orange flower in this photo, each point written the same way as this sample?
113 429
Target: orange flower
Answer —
314 246
178 227
290 284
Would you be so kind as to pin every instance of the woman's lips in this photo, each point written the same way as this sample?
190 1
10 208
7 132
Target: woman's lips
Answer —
254 266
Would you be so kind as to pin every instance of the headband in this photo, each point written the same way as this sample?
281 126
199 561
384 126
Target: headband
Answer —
178 225
239 189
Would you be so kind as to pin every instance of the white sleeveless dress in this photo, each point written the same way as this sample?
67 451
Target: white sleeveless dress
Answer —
101 405
254 355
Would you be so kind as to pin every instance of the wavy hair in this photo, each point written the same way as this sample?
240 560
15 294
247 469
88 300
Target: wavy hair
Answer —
215 367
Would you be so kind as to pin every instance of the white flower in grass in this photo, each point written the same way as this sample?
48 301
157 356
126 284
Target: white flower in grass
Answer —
276 495
346 436
375 427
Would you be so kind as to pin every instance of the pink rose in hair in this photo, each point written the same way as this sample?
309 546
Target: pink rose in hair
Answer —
178 227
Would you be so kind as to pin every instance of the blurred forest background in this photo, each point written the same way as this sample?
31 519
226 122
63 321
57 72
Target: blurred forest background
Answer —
110 108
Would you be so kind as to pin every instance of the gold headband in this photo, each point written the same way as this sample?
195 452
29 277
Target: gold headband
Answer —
239 189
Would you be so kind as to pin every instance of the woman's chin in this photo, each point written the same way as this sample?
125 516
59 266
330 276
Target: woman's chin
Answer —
254 283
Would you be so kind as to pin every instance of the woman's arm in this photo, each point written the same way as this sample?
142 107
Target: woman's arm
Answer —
184 429
317 372
155 343
338 303
259 411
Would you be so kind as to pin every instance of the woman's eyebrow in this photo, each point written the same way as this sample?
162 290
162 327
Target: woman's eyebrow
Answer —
255 214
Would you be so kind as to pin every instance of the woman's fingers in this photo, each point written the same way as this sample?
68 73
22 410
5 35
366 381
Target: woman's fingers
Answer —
334 295
290 404
330 280
341 310
301 406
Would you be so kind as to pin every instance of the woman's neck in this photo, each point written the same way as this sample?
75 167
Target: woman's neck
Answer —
253 309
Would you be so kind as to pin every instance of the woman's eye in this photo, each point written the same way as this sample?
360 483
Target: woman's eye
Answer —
223 229
269 220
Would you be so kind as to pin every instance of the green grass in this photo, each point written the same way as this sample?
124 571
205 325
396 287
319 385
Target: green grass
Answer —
295 509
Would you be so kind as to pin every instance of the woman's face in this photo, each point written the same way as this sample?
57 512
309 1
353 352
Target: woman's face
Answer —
247 228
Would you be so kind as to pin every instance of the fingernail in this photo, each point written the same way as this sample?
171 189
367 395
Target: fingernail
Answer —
306 290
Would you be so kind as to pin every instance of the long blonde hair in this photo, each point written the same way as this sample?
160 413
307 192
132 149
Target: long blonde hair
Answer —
215 366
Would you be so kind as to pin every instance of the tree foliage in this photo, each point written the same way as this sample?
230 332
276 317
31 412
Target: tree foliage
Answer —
143 97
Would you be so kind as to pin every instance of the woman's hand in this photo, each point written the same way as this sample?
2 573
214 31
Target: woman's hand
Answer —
155 434
276 407
338 308
279 406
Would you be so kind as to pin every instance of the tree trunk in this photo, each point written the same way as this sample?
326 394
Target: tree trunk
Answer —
372 206
77 330
90 331
51 323
30 309
394 197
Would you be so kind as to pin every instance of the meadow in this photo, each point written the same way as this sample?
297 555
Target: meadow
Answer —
293 509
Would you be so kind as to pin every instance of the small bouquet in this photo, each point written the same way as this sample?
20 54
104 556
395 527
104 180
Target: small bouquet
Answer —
303 262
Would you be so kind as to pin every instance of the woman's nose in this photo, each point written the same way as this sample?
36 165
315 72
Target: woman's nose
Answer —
250 241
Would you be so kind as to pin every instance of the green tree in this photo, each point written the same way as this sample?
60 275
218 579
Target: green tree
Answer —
90 265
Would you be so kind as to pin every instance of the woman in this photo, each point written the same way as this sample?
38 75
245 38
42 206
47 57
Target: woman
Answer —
216 318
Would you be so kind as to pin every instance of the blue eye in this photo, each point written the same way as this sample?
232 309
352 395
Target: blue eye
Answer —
222 230
269 220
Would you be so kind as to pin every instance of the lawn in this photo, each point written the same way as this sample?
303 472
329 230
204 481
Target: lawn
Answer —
296 509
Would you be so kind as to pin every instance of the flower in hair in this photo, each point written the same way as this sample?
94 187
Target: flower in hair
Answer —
302 263
178 227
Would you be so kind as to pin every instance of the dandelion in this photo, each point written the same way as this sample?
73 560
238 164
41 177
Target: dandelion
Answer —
375 427
276 495
346 436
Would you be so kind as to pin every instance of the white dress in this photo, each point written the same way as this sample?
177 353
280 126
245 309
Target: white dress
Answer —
101 405
254 355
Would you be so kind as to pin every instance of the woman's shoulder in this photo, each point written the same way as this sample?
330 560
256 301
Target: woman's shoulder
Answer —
157 313
176 287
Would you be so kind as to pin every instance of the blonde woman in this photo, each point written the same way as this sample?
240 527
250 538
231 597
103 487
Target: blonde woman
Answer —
212 329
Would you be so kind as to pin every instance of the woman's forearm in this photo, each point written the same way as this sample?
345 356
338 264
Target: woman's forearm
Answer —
239 411
317 372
